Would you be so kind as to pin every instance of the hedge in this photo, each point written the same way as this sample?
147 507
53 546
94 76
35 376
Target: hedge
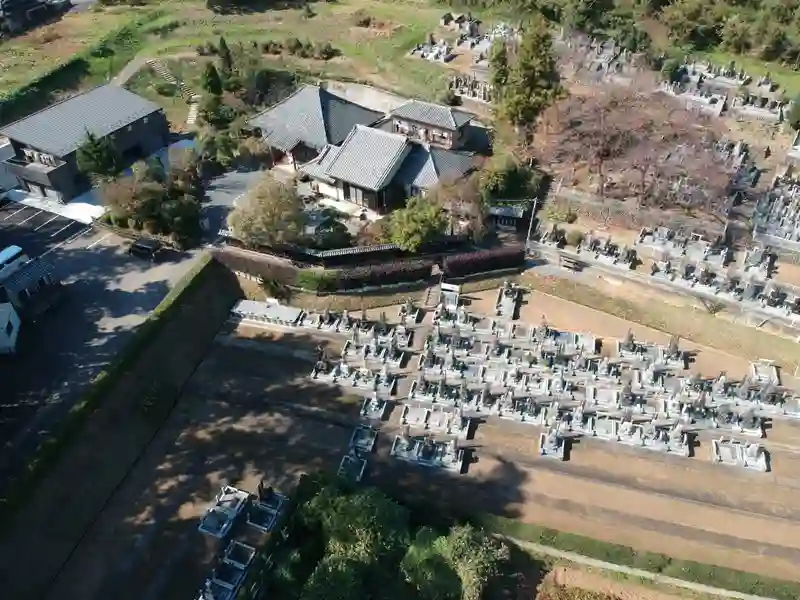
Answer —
111 52
721 577
51 449
484 261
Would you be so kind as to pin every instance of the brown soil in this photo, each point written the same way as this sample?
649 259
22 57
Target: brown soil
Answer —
572 581
246 414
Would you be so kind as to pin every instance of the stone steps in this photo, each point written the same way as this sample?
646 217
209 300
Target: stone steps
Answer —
162 70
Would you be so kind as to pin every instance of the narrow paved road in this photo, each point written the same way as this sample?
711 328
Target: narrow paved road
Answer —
655 577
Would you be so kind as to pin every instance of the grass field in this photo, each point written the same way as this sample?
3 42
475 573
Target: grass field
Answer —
375 54
29 56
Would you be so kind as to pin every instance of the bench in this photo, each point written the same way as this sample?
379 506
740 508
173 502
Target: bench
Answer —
570 263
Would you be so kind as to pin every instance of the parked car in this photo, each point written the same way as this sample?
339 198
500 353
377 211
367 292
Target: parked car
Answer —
145 248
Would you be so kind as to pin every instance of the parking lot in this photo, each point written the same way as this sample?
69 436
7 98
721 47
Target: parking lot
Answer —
108 294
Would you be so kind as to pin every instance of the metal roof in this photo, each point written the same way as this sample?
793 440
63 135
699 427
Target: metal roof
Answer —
437 115
61 128
425 166
28 274
313 116
369 158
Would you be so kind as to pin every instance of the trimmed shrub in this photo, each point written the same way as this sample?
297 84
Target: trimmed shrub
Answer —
384 274
164 88
316 280
484 261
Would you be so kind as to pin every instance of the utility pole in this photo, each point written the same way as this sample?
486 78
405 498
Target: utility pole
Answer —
530 223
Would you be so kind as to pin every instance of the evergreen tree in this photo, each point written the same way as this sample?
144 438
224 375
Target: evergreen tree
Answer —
533 81
211 80
498 67
225 58
98 158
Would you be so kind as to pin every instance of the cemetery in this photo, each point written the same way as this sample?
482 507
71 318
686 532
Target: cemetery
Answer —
239 523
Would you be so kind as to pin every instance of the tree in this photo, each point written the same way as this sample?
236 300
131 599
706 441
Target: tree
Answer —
463 203
271 213
98 158
418 223
736 34
335 578
211 80
225 58
533 81
498 66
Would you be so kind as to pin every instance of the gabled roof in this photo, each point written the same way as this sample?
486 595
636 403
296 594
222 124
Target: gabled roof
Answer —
312 116
61 128
369 158
444 117
426 166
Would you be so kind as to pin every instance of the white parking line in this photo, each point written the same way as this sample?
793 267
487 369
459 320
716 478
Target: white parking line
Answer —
45 223
71 238
15 213
29 218
94 243
70 224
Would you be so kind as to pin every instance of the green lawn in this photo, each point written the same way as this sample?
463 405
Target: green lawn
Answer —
33 54
372 55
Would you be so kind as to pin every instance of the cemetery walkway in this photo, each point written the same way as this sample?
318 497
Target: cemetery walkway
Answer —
654 577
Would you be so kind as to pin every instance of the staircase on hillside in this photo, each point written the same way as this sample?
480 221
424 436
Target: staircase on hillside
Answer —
192 98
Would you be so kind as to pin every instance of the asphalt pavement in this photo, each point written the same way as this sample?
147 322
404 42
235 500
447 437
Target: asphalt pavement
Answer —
108 293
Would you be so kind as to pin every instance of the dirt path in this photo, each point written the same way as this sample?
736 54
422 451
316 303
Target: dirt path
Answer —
578 578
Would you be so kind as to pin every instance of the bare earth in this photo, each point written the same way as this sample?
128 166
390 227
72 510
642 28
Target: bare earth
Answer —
584 579
250 412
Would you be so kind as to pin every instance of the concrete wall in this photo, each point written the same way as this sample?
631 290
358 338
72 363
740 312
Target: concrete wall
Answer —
365 95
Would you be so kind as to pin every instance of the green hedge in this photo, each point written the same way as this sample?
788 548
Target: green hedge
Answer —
721 577
93 64
52 448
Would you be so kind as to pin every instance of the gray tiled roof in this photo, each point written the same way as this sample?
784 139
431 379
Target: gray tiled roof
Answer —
312 116
61 128
437 115
318 166
369 158
426 166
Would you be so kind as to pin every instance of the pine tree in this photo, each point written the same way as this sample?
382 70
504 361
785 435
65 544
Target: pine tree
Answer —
212 83
98 157
498 65
225 58
533 81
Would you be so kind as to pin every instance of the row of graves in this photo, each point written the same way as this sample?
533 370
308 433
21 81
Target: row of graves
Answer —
601 60
708 268
476 84
776 218
433 50
560 381
371 358
237 524
592 248
717 89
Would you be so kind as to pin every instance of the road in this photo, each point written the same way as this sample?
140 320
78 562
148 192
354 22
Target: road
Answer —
222 193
